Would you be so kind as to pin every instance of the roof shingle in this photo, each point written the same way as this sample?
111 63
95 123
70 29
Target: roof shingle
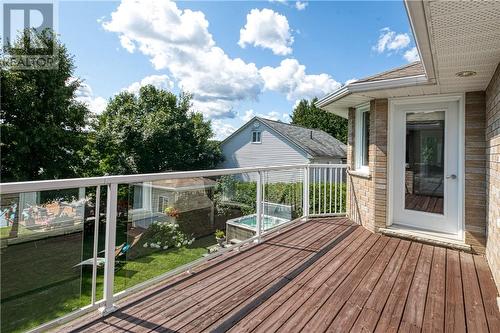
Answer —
412 69
316 143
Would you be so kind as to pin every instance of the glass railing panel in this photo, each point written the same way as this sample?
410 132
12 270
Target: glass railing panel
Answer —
169 223
46 241
282 197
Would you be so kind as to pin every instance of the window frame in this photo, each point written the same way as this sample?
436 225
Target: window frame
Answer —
256 133
359 140
162 199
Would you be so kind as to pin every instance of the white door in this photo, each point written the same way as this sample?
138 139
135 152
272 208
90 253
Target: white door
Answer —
425 166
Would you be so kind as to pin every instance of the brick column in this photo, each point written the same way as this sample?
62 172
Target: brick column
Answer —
378 159
475 170
367 197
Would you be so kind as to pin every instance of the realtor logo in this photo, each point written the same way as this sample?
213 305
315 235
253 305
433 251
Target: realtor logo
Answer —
24 24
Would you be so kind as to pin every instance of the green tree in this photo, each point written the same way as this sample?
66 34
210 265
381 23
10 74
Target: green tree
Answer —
153 131
308 115
42 124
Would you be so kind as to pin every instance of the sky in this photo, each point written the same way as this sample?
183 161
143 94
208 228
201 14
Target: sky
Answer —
238 58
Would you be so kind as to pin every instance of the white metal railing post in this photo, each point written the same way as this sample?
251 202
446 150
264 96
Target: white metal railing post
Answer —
258 204
305 192
97 214
109 265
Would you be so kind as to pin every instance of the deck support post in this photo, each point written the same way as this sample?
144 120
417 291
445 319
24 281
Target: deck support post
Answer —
258 224
305 193
109 265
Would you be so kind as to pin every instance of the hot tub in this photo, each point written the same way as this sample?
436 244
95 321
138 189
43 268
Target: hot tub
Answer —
244 227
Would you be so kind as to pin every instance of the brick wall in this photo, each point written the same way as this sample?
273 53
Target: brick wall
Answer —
378 159
493 175
475 171
368 194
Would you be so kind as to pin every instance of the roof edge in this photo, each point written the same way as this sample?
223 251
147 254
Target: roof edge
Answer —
415 10
370 86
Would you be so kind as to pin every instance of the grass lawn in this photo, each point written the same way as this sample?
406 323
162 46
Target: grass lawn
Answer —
39 282
5 231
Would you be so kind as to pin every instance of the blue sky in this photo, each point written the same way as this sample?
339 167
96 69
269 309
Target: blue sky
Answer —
238 58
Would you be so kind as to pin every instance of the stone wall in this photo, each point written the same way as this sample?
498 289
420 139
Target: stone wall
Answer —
475 171
493 175
367 197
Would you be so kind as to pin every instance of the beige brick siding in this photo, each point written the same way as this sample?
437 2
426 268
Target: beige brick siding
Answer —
378 158
367 197
493 175
475 171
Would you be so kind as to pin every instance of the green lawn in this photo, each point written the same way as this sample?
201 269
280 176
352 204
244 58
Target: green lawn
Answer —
5 231
39 282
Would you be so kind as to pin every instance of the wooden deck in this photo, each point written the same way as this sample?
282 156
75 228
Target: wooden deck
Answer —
323 275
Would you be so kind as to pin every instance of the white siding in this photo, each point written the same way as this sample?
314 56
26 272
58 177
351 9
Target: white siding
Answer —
240 152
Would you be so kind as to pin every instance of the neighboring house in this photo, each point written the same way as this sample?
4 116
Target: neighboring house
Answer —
186 195
264 142
424 139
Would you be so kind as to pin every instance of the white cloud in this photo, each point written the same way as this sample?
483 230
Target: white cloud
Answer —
300 5
291 79
267 29
283 2
389 40
222 129
273 115
95 104
411 55
249 114
179 40
159 81
286 117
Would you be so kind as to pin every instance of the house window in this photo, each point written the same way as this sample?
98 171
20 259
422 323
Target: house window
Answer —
256 137
362 139
162 203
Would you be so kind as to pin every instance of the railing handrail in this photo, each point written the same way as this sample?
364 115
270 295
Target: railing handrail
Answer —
59 184
325 165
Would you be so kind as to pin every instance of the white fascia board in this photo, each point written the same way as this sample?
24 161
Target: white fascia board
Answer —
417 17
371 86
336 95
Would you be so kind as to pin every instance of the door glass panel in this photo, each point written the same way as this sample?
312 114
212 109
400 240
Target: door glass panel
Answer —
424 169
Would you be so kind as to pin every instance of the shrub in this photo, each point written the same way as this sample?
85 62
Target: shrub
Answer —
163 235
219 234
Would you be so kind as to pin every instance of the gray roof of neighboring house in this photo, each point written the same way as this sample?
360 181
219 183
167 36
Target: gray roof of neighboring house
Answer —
315 142
413 69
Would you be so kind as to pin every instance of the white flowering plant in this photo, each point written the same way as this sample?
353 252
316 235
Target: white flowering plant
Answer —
164 236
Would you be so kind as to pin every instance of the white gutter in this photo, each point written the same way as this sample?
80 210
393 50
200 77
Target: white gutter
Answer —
371 86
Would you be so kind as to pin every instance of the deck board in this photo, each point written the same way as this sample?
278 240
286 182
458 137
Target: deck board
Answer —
324 275
434 309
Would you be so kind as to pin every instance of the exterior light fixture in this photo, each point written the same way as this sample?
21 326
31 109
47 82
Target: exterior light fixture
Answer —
465 73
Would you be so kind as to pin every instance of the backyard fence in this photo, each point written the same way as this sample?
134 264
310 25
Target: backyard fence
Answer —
97 240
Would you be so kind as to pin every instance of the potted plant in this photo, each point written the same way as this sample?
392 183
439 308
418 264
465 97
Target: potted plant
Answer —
220 237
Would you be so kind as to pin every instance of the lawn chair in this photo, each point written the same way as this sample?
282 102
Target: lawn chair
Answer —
120 251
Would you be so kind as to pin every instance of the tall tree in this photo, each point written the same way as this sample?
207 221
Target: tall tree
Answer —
308 115
42 124
153 131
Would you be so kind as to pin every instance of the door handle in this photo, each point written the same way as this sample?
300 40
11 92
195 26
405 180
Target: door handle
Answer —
451 177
